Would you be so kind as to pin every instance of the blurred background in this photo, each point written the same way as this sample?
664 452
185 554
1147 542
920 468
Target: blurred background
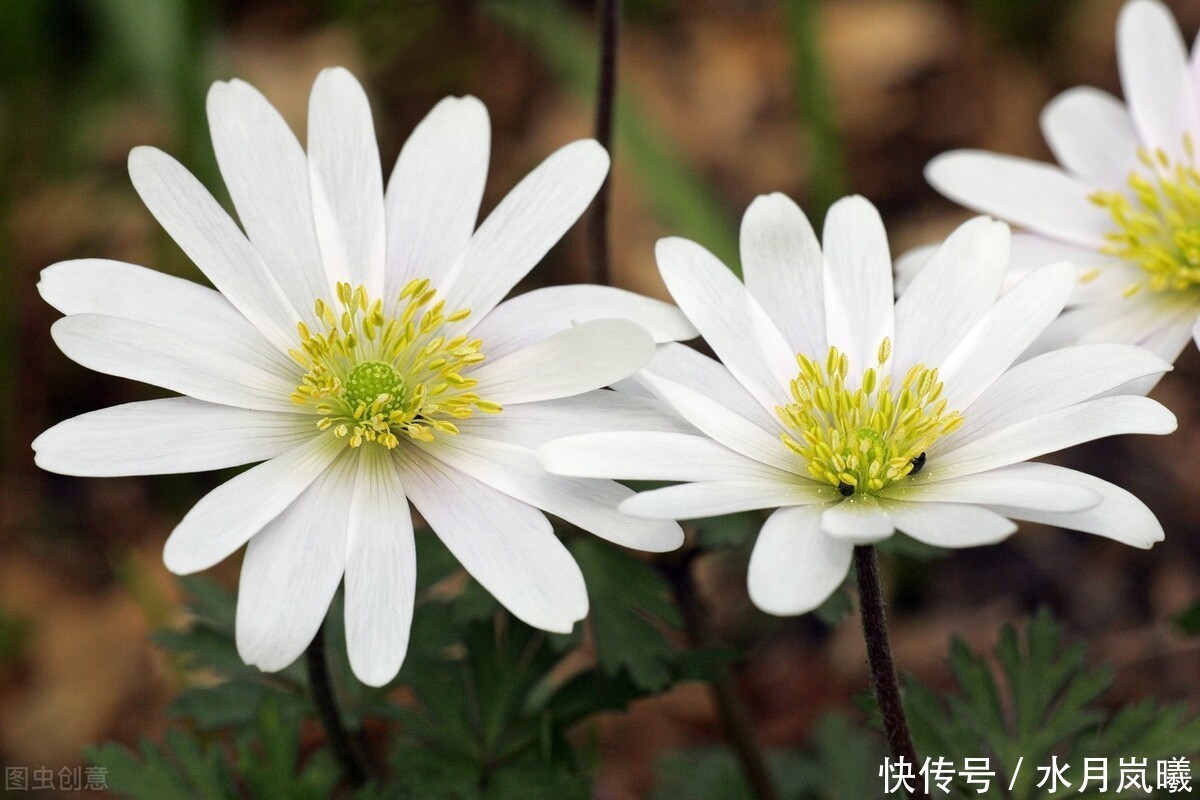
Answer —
721 100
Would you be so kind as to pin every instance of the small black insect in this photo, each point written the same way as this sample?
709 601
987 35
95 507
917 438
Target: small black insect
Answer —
917 464
845 488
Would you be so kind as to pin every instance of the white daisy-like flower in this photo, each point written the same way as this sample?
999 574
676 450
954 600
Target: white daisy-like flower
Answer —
1125 203
346 350
855 415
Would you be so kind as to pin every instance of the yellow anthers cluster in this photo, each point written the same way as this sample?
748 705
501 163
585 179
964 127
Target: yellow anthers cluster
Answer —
372 374
1158 228
860 440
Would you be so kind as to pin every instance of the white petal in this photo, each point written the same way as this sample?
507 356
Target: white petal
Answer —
1004 332
432 198
1120 516
195 364
588 503
533 424
525 225
579 359
266 172
506 545
1145 319
381 570
1014 485
795 566
908 265
534 316
650 456
858 519
859 299
116 289
730 319
213 242
950 524
698 372
1051 381
731 430
954 290
1155 77
229 515
714 498
169 436
1036 196
781 260
1092 135
1082 422
291 570
346 181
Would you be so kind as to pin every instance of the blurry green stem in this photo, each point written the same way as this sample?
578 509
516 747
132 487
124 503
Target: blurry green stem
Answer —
327 708
810 83
606 97
879 655
735 719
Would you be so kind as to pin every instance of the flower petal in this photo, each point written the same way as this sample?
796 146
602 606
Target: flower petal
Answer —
381 570
1036 196
1092 135
266 172
1014 485
859 299
206 234
291 571
1120 516
629 455
1004 332
1155 75
346 182
506 545
794 566
781 259
116 289
950 524
859 519
205 367
953 291
533 424
588 503
533 316
1049 382
730 319
579 359
432 199
525 225
229 515
166 437
1055 430
735 432
714 498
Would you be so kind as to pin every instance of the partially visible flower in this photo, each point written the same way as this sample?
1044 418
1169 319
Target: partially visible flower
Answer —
856 417
358 346
1125 203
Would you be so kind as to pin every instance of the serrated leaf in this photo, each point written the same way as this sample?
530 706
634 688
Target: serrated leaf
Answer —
180 769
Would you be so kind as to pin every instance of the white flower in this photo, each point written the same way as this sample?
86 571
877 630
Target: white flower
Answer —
344 350
1125 204
855 416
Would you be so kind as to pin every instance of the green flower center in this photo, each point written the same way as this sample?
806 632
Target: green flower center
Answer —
861 440
374 376
1158 227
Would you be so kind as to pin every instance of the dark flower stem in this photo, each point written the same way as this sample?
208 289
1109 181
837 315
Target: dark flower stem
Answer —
327 708
879 655
606 95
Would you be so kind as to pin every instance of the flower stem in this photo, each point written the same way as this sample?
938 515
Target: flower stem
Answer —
327 708
879 655
606 95
735 718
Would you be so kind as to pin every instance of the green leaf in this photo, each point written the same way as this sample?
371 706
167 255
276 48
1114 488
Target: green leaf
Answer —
631 606
1187 621
180 768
